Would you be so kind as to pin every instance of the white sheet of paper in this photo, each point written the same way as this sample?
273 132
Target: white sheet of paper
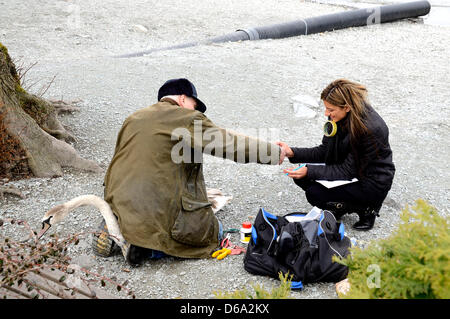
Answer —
331 184
313 214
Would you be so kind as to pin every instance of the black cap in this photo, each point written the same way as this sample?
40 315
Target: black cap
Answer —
178 87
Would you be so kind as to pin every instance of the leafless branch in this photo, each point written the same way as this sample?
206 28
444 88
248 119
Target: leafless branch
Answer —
44 89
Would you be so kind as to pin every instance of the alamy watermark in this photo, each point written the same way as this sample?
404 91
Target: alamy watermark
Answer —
374 279
374 16
253 147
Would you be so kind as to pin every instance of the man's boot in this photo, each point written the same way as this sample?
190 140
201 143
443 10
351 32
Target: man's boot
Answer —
137 255
366 219
102 244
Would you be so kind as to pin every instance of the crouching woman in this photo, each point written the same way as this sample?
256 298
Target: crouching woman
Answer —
355 146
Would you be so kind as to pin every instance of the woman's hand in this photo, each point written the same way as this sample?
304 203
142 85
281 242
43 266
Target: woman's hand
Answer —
286 149
300 173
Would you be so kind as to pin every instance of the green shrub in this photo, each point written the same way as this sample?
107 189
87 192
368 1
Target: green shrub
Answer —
281 292
411 263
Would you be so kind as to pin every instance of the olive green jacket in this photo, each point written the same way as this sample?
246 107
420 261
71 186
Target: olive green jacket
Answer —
155 185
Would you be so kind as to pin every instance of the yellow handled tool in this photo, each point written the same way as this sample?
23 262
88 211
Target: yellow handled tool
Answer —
221 253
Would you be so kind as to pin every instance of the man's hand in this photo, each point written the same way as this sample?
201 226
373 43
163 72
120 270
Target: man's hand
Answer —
282 156
286 149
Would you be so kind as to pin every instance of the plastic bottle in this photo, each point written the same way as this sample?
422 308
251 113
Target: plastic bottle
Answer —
246 232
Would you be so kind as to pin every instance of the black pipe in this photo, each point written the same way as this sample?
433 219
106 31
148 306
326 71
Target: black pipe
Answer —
329 22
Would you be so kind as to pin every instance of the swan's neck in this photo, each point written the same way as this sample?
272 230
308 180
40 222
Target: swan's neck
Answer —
103 207
86 200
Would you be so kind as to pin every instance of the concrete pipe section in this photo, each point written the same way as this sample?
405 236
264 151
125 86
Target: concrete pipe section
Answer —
329 22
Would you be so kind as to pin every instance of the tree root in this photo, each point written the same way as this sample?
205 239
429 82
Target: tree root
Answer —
32 131
61 134
54 127
10 190
67 156
65 106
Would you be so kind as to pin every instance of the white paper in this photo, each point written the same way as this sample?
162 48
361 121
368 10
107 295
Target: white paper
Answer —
331 184
306 100
303 111
314 213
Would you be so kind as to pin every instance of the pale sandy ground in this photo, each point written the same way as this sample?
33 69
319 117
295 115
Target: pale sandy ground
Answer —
248 87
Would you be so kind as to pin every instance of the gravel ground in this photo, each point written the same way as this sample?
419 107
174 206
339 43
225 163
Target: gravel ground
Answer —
248 87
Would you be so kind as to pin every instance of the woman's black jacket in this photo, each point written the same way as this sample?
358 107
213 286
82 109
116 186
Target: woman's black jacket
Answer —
370 160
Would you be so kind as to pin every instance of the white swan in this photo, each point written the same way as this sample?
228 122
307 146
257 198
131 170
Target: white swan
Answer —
59 212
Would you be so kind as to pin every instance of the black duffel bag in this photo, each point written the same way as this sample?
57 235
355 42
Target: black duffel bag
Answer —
297 244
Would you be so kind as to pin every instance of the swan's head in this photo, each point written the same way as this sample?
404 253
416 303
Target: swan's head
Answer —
53 216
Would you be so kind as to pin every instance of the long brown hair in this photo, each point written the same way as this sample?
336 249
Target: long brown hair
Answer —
342 93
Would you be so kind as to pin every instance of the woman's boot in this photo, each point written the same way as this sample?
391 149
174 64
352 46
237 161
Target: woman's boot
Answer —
338 209
366 219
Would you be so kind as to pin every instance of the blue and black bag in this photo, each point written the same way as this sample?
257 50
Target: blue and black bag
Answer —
297 244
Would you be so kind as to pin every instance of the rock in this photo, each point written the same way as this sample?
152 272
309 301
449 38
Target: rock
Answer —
84 261
139 28
342 287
